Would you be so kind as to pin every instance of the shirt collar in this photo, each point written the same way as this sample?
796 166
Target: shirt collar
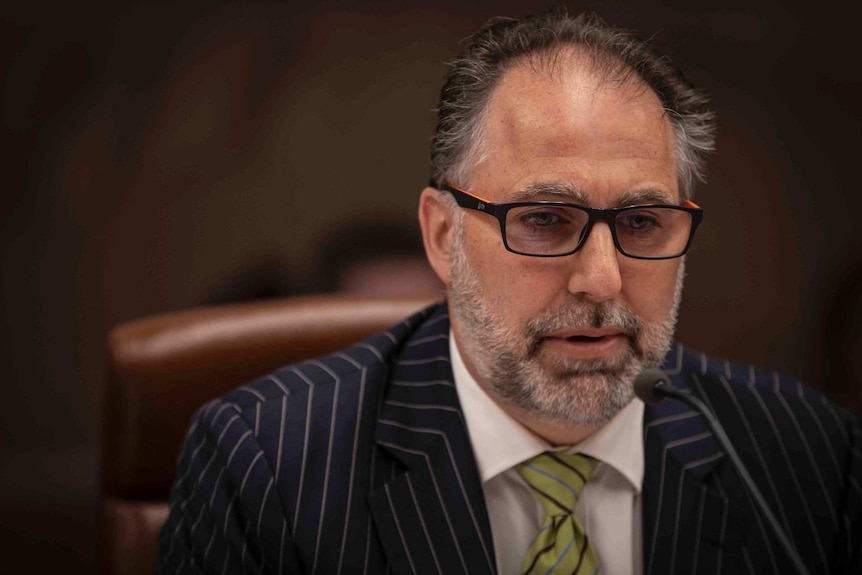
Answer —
500 442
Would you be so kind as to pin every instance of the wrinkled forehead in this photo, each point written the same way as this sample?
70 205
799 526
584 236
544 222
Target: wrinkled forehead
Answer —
566 122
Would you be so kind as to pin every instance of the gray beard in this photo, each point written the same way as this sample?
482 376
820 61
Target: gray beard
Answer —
557 389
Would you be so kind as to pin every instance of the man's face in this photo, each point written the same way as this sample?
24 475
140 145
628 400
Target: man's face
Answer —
561 339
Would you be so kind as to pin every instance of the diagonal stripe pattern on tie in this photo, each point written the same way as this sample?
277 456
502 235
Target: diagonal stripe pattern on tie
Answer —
561 546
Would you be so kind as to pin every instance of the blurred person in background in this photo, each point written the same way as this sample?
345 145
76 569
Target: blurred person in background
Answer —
376 256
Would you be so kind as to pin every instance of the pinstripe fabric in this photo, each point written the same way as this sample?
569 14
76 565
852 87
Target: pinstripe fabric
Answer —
804 454
359 462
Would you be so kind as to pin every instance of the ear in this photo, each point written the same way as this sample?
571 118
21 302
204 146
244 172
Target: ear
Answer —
435 218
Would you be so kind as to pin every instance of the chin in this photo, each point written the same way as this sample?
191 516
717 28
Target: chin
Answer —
587 393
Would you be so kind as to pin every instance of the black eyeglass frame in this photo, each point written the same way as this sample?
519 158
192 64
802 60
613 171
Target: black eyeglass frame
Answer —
499 211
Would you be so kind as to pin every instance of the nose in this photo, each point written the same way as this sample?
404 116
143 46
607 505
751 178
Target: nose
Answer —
595 268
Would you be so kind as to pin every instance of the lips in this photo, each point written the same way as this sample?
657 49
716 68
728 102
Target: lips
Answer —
586 334
586 343
583 338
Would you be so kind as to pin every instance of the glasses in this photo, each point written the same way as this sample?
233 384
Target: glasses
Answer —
552 229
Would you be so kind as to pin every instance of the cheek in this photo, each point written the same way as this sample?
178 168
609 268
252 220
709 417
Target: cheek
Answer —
515 287
649 288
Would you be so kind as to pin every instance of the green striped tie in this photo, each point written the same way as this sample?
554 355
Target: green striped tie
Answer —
561 546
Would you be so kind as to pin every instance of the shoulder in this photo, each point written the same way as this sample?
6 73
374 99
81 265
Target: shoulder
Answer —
367 360
309 403
797 444
742 382
757 404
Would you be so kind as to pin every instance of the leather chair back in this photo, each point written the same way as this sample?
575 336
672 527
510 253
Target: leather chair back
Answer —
161 369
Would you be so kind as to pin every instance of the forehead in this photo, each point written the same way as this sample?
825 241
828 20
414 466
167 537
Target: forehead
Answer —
568 124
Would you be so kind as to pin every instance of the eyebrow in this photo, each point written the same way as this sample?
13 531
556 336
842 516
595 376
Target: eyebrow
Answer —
646 196
563 192
559 192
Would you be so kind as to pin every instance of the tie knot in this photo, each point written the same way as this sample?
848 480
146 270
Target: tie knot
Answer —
558 479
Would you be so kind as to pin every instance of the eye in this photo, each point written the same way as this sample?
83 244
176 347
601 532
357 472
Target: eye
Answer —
544 223
639 221
540 218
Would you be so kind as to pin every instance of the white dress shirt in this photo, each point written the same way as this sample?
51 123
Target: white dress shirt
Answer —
609 507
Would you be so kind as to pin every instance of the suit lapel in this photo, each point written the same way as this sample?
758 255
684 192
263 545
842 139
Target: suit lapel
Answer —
694 516
431 517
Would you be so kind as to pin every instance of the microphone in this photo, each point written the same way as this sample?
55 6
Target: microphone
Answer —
652 386
649 385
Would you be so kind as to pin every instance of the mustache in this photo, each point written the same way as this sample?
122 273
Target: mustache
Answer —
580 315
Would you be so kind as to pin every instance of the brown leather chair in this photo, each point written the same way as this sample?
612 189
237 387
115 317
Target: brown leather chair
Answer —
163 368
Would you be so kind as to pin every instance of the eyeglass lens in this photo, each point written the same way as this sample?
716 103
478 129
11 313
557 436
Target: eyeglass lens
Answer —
655 231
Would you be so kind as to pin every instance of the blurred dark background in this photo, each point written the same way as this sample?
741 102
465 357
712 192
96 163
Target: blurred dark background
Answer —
163 156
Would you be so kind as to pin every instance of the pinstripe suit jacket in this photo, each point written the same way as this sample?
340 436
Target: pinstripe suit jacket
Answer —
360 462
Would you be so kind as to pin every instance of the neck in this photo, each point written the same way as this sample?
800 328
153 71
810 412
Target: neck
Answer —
554 432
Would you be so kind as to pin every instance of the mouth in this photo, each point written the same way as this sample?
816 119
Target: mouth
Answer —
587 333
587 344
584 338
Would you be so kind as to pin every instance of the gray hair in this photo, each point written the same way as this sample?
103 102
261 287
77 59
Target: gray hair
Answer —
616 54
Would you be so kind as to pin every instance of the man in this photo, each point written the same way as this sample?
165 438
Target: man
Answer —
460 441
